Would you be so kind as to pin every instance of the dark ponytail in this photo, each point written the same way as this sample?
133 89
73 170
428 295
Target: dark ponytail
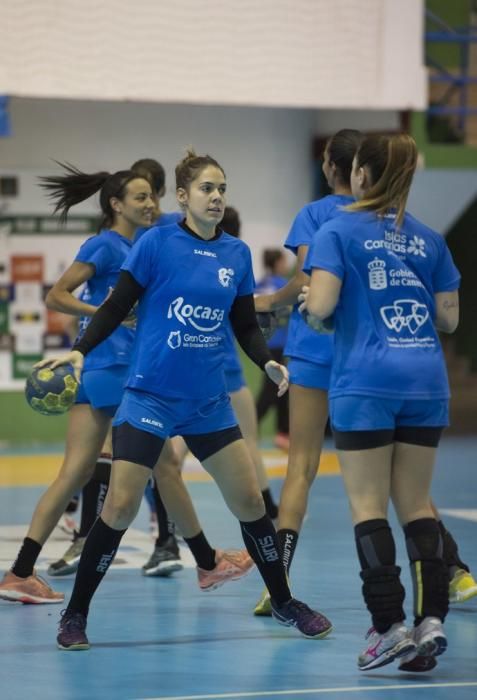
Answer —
67 190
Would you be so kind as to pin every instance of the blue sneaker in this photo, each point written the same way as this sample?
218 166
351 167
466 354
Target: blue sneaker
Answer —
72 632
294 613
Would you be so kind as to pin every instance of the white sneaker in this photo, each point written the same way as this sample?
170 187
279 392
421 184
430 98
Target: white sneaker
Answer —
429 637
383 648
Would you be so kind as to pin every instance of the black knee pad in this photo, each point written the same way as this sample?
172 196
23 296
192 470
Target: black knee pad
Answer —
384 595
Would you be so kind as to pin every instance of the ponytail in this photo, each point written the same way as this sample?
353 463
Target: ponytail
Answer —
67 190
391 162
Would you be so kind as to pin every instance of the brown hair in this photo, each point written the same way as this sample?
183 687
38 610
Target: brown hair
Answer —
341 148
391 161
150 170
270 257
191 166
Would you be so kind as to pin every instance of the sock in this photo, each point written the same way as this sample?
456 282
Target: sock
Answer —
262 544
384 596
94 493
375 543
270 505
201 550
26 559
165 526
451 551
99 551
428 569
287 542
382 589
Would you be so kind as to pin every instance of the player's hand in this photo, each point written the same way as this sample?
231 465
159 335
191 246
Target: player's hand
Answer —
73 358
303 297
278 374
263 302
320 326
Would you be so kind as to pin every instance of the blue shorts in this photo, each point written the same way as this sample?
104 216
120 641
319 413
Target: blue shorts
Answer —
348 413
234 380
311 375
103 388
166 417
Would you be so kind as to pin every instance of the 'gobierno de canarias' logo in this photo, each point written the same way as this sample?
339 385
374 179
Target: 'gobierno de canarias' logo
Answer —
195 315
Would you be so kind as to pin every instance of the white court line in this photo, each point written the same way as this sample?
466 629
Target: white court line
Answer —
316 691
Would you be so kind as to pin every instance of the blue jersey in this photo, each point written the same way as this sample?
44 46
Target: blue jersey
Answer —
303 342
106 251
189 288
165 219
268 285
386 344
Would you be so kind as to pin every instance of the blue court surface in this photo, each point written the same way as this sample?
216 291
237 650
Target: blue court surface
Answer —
165 639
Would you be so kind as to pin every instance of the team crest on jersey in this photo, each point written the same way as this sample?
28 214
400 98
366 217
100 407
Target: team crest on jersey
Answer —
225 276
405 314
174 340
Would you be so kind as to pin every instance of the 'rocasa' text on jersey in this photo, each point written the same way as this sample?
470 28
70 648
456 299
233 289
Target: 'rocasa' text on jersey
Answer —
188 313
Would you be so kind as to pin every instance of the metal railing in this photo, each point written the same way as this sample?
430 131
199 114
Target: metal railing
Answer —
459 82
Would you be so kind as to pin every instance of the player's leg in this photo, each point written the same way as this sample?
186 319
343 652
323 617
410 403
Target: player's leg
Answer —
367 477
244 408
137 452
413 466
225 456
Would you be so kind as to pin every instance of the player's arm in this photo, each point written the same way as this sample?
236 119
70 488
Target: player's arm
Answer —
61 297
247 331
447 311
321 297
288 294
106 319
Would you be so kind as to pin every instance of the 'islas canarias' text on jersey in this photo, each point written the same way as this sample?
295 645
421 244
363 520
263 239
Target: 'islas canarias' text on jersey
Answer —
106 251
189 287
303 342
386 342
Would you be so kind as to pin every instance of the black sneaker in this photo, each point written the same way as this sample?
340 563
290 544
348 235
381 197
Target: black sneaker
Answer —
294 613
164 560
72 632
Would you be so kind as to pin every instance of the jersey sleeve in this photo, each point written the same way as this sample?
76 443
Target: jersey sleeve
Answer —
95 251
446 277
302 230
325 252
247 283
143 258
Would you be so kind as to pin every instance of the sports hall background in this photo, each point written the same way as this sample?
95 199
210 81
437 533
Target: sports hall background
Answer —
259 85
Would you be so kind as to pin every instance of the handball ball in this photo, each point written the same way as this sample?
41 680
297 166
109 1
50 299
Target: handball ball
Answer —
267 321
51 391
